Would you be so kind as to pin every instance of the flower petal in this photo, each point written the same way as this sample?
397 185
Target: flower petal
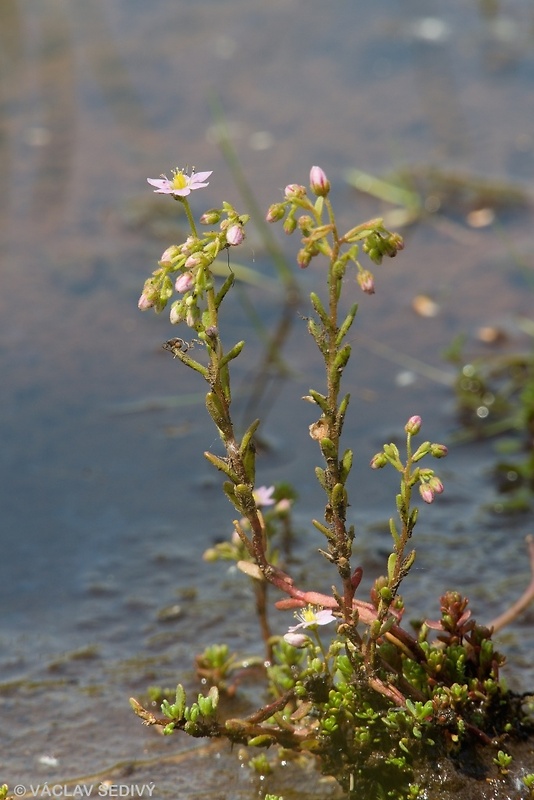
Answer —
163 185
200 176
324 617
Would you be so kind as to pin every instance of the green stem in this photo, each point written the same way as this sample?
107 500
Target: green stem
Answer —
189 214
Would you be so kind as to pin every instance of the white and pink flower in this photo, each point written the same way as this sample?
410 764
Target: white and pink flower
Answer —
310 617
180 185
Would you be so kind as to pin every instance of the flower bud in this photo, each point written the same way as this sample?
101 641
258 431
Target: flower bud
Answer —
210 217
296 639
303 258
193 315
438 450
177 312
366 281
305 223
235 235
184 282
144 303
319 183
375 255
276 212
293 191
193 261
426 493
413 425
289 225
378 461
396 241
188 245
436 485
167 257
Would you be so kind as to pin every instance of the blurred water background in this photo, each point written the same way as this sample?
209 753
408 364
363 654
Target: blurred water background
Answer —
106 501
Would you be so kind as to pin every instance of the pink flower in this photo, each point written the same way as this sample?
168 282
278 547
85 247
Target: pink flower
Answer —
184 282
180 185
263 496
309 617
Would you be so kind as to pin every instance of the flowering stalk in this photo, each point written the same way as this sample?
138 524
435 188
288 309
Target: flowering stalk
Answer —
389 605
320 236
199 309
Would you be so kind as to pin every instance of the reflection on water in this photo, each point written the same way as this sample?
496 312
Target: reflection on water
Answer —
105 515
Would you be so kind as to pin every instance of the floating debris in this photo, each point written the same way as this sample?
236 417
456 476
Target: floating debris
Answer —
489 334
170 613
424 306
480 218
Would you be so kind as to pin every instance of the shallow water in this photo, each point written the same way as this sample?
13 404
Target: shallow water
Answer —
107 503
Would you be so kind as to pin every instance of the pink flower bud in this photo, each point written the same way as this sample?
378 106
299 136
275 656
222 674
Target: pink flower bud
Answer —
192 261
168 255
438 450
366 281
413 425
184 282
187 246
235 235
275 213
210 217
144 303
293 190
436 485
426 493
296 639
319 183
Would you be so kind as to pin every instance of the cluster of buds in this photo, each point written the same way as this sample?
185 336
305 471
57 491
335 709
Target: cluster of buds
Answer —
429 484
320 238
382 243
184 268
312 230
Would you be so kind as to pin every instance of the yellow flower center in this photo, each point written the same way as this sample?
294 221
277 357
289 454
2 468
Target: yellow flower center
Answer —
308 614
179 181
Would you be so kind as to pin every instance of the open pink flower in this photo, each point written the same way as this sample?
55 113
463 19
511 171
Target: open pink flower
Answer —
263 496
310 617
180 185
